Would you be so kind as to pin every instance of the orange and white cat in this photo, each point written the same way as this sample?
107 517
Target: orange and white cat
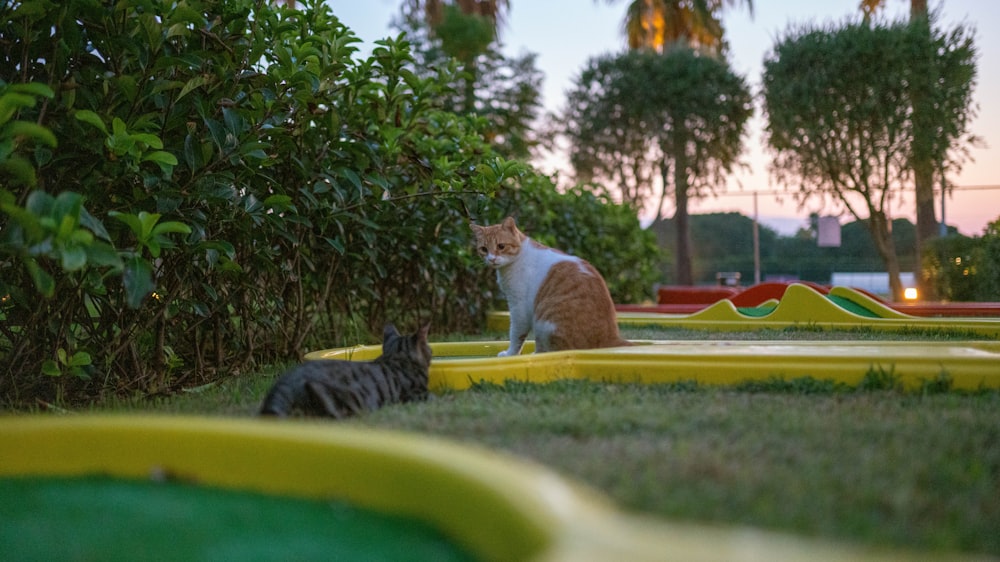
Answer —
561 297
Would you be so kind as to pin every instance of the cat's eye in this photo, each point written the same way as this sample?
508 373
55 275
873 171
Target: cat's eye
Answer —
483 250
501 246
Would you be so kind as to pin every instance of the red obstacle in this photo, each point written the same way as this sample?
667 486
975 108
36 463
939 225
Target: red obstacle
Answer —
687 294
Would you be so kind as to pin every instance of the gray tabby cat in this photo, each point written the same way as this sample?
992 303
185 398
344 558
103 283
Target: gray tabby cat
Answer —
341 389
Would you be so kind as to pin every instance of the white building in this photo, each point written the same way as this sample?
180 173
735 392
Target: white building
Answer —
877 283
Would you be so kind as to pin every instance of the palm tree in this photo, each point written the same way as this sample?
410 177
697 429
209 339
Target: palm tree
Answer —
918 8
653 24
923 165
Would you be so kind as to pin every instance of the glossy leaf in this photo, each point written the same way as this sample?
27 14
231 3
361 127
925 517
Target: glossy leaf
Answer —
88 116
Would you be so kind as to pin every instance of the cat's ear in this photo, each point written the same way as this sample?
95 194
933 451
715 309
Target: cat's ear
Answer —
390 331
420 343
509 223
475 227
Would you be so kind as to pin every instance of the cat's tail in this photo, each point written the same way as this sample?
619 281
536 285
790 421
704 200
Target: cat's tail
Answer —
617 341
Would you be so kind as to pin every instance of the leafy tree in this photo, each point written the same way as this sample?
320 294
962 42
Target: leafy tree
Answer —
641 118
839 104
925 135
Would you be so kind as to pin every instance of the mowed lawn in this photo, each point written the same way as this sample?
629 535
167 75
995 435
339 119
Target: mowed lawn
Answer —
877 466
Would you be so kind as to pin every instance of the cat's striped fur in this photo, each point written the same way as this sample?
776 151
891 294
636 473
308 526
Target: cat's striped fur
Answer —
341 389
561 297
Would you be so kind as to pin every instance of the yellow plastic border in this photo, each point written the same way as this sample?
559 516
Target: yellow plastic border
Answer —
969 365
498 507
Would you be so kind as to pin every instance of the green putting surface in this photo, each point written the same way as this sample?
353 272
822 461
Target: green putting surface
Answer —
103 518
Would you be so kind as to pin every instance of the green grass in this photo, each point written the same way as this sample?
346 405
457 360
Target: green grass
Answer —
873 466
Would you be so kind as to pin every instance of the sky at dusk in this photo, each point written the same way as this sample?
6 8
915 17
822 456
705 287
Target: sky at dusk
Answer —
565 34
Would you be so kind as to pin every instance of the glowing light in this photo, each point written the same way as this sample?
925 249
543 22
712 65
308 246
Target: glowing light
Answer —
910 293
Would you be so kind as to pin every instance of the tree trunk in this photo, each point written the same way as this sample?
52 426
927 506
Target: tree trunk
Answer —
682 257
664 182
682 254
923 161
927 226
878 227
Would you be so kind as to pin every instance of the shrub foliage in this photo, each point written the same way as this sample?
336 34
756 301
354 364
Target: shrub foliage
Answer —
966 269
191 189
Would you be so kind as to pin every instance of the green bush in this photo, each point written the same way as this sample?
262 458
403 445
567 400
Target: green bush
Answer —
193 189
966 269
963 268
952 263
988 286
230 186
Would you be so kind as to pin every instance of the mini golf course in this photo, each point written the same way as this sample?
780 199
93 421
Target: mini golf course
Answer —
182 488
